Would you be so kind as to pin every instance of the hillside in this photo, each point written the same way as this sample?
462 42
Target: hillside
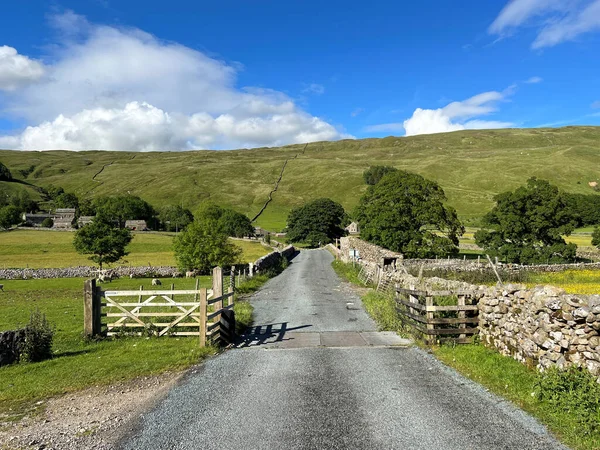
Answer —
471 166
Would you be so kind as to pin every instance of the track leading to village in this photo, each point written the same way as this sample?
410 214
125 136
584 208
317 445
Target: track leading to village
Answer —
314 374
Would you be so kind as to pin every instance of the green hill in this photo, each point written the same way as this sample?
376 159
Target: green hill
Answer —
471 166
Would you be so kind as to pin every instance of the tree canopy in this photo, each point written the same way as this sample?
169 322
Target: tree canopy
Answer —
375 173
229 221
527 225
66 200
585 208
596 237
5 174
175 217
119 209
9 216
204 245
405 212
102 240
317 222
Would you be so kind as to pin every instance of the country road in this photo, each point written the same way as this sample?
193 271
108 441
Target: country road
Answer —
315 374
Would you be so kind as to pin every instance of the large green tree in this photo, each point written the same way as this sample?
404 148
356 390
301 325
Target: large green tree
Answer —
203 245
119 209
375 173
229 221
320 221
9 216
596 237
527 225
66 200
405 212
102 240
175 217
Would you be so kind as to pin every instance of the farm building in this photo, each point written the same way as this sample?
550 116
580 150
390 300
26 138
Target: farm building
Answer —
353 228
84 220
136 225
35 220
63 217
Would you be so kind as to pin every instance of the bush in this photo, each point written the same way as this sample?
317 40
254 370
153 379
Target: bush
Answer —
48 222
573 391
38 338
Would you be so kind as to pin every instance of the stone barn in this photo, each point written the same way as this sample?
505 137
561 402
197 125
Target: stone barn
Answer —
136 225
353 228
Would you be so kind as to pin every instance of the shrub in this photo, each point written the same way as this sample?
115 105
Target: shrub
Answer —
573 391
48 222
38 338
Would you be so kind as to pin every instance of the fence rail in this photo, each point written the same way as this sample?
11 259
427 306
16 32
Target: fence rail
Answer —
439 316
198 312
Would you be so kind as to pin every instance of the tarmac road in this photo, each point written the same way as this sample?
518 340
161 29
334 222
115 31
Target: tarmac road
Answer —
314 374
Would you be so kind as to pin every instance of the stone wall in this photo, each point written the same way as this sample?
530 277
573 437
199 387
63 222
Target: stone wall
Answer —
369 253
11 346
273 259
541 326
87 272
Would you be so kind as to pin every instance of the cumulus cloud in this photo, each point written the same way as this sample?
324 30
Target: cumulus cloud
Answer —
457 115
124 89
557 20
143 127
17 70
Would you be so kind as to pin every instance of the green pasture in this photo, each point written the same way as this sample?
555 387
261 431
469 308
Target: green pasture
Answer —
77 362
48 249
472 166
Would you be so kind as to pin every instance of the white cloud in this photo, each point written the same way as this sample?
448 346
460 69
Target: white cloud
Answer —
534 80
123 89
17 70
314 88
458 115
556 20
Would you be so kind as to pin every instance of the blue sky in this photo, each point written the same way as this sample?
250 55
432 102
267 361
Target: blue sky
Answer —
149 75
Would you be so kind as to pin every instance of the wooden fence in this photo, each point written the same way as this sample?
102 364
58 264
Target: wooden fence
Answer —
439 316
196 312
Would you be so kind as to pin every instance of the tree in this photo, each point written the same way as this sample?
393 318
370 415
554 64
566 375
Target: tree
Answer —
405 213
527 226
585 208
322 217
5 174
66 200
119 209
229 221
175 217
235 224
375 173
47 222
9 216
203 245
53 191
596 237
104 241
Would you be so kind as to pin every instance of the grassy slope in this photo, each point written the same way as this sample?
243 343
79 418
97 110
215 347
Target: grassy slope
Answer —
41 249
472 166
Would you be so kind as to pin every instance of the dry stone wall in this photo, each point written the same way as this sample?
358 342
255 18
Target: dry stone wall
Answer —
541 326
273 259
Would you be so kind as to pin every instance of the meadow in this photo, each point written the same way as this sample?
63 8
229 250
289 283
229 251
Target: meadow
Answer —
572 281
472 167
48 249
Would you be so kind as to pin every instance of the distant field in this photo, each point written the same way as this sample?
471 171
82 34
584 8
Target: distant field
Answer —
572 281
472 167
47 249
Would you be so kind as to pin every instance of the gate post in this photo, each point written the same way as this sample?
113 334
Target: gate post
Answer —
203 317
91 309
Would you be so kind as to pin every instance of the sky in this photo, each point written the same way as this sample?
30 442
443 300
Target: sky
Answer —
153 75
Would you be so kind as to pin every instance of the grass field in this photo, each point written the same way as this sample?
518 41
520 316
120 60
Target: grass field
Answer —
45 249
79 363
572 281
472 166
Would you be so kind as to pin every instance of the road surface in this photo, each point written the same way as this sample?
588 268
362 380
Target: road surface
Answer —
315 374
